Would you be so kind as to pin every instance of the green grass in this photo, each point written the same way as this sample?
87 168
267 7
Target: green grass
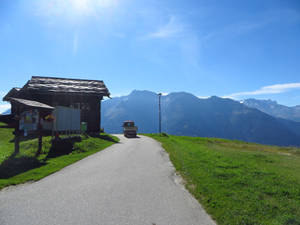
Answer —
239 182
25 166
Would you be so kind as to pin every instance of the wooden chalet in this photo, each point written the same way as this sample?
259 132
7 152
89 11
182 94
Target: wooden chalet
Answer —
48 92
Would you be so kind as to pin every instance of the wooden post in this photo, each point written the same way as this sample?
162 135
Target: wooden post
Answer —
17 136
40 135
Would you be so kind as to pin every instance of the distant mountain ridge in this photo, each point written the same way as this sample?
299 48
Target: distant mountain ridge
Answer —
274 109
7 112
186 114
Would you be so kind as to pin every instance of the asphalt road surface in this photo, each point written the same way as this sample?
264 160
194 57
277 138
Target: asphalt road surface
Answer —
130 183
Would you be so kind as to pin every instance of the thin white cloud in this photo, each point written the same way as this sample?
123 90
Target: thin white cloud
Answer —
272 89
4 107
183 39
172 29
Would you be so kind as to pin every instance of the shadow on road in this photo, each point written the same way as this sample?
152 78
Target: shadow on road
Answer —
104 137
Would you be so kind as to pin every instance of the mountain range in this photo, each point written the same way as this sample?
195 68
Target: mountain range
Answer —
186 114
7 112
252 120
274 109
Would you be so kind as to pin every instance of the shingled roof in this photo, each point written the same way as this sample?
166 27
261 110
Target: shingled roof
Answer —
14 92
65 86
31 104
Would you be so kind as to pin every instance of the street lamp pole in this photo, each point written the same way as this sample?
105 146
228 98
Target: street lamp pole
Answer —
159 111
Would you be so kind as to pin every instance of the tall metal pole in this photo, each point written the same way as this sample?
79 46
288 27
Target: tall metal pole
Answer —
159 111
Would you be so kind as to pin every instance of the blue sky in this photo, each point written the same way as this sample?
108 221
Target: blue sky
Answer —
237 49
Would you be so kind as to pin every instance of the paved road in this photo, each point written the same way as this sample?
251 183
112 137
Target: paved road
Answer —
129 183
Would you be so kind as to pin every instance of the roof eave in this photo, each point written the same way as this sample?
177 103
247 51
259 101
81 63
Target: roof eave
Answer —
8 95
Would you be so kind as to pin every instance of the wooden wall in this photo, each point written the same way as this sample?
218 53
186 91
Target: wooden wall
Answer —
89 105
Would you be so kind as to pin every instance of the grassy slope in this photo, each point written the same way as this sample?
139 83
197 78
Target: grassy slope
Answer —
238 182
26 167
